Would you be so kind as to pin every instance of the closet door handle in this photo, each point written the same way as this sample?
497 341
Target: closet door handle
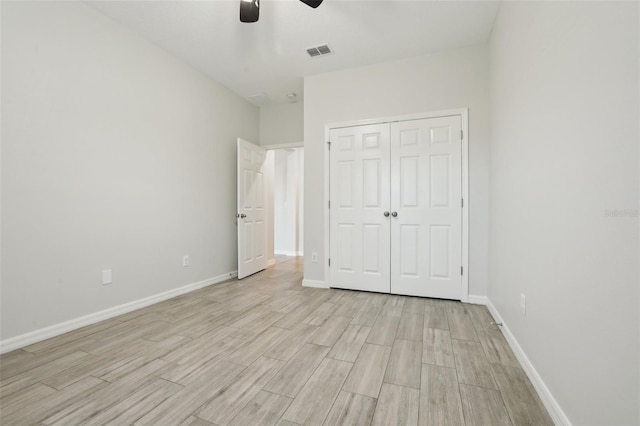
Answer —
386 214
394 214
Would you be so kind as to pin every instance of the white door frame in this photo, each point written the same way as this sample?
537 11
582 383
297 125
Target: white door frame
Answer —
283 146
464 115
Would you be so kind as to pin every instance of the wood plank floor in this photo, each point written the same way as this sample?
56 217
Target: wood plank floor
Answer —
267 351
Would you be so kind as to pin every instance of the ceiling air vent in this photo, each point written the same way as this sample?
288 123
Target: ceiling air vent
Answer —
319 51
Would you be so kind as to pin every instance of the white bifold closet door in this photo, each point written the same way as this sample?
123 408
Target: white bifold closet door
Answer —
360 195
410 170
426 191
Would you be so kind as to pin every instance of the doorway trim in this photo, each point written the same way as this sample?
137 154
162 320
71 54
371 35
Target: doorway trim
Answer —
464 115
283 146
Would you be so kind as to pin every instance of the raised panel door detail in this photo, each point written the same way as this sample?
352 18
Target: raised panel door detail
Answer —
345 175
248 188
439 251
258 190
409 137
259 243
258 158
409 250
371 182
248 241
439 179
345 143
409 181
246 156
371 141
439 135
345 247
371 247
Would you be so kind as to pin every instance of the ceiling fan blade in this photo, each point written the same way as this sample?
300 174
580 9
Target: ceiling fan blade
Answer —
312 3
249 10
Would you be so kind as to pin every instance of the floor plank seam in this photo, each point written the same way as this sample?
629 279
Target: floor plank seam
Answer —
242 345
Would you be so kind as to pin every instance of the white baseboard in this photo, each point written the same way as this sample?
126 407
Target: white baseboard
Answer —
477 300
555 411
31 337
314 283
271 262
288 253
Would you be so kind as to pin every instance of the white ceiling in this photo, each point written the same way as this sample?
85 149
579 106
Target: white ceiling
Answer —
270 56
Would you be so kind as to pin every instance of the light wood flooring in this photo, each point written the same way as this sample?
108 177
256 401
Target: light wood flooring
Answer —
267 351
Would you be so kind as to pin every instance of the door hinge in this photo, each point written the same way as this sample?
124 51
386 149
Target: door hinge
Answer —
329 145
329 204
462 270
461 134
462 202
329 261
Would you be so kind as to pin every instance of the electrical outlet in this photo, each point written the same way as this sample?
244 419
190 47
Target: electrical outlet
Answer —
185 261
107 277
314 257
523 303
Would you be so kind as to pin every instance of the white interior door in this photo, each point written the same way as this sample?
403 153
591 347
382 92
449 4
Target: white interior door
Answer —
252 216
359 188
426 195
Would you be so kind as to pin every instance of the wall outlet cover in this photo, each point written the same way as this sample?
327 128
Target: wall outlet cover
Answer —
107 277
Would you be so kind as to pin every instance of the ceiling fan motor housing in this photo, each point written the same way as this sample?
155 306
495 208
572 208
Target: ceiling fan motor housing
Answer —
250 9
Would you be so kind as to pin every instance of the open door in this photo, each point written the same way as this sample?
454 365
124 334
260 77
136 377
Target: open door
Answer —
252 213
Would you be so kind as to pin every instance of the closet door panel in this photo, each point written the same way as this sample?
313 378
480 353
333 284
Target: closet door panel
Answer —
426 184
359 194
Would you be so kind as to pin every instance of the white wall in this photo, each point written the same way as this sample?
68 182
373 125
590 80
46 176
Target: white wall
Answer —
451 79
281 123
114 155
288 201
564 152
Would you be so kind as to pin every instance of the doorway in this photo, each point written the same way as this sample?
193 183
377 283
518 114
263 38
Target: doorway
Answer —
269 205
288 202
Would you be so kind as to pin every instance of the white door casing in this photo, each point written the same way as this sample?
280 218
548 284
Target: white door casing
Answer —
251 209
426 187
425 245
359 229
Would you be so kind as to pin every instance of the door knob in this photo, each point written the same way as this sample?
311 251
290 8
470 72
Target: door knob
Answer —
241 216
394 214
386 214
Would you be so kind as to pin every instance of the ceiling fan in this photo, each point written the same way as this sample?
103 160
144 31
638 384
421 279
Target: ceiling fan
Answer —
250 9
